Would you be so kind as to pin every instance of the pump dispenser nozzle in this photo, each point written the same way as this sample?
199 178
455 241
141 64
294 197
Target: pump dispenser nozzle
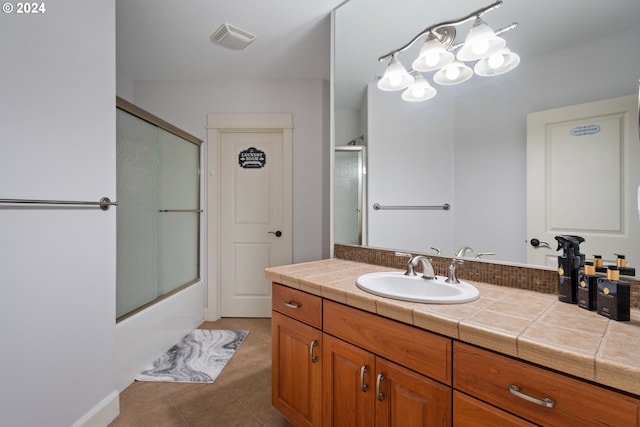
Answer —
570 245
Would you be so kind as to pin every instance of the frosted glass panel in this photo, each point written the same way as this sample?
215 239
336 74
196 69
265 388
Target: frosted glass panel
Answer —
137 230
158 219
348 197
178 227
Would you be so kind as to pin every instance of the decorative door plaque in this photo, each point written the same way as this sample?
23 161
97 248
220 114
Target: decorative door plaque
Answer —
252 158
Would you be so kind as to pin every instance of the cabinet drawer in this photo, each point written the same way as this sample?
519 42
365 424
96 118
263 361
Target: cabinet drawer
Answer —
297 304
488 376
468 411
414 348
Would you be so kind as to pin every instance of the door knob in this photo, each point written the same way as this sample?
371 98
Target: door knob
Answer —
277 233
537 243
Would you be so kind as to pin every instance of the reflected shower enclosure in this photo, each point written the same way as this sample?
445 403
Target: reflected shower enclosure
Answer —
158 219
350 194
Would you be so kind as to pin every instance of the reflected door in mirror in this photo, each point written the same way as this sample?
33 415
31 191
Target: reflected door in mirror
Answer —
581 179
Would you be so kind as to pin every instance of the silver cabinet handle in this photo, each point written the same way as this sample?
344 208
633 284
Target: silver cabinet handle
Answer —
378 381
312 356
291 304
545 401
363 386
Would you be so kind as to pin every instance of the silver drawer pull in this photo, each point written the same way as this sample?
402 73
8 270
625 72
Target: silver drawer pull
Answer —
312 356
545 401
291 304
363 386
379 380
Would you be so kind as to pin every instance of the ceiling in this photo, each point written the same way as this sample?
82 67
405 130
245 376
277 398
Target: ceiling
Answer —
170 40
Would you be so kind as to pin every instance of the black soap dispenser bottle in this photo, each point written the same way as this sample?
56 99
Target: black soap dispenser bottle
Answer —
614 296
588 287
569 264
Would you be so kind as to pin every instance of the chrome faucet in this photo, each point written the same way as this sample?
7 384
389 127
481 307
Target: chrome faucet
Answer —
463 251
452 270
427 267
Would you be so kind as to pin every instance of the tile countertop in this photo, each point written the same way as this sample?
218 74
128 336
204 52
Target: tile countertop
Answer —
532 326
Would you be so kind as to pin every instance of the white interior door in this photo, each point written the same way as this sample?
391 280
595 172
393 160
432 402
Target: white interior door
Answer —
252 188
582 179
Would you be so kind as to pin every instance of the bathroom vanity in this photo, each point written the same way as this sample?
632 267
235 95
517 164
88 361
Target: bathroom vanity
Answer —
342 356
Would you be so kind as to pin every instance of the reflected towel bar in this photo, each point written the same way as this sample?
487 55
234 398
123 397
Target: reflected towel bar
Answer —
104 202
445 207
181 210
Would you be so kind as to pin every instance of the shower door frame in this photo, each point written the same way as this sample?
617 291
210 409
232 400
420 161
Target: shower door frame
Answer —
138 112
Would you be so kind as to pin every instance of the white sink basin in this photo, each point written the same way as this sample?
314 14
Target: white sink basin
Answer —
416 289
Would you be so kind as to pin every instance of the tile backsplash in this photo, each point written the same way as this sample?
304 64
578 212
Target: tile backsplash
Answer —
530 278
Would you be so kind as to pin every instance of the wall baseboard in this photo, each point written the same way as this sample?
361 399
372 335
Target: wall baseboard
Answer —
103 413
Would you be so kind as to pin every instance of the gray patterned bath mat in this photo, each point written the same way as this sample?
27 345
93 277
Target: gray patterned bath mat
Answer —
198 358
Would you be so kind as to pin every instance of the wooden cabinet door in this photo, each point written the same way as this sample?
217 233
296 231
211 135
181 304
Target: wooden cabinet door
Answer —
296 371
408 399
348 384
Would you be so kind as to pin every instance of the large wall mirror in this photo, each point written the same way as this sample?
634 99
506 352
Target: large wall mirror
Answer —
467 146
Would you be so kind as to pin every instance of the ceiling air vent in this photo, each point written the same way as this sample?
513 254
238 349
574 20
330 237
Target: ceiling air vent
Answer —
232 37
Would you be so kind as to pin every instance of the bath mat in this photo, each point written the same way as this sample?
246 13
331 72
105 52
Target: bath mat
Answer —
198 358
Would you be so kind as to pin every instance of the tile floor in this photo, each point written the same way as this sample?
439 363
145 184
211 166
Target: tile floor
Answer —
240 396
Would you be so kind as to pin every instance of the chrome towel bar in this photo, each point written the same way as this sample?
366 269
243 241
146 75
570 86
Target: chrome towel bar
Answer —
445 207
103 204
181 210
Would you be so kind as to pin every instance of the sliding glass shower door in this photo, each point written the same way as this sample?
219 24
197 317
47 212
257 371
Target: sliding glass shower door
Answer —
158 220
349 194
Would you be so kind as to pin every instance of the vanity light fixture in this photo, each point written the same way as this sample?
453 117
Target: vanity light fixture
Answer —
482 44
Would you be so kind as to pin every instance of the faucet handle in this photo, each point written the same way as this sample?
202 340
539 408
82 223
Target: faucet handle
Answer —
404 254
409 271
479 255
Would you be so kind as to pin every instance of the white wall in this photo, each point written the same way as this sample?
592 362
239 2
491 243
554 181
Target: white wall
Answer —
347 126
57 269
410 162
186 105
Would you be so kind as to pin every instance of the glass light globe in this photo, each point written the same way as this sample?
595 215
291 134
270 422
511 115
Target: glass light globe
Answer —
395 77
419 91
496 60
481 42
480 47
452 73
